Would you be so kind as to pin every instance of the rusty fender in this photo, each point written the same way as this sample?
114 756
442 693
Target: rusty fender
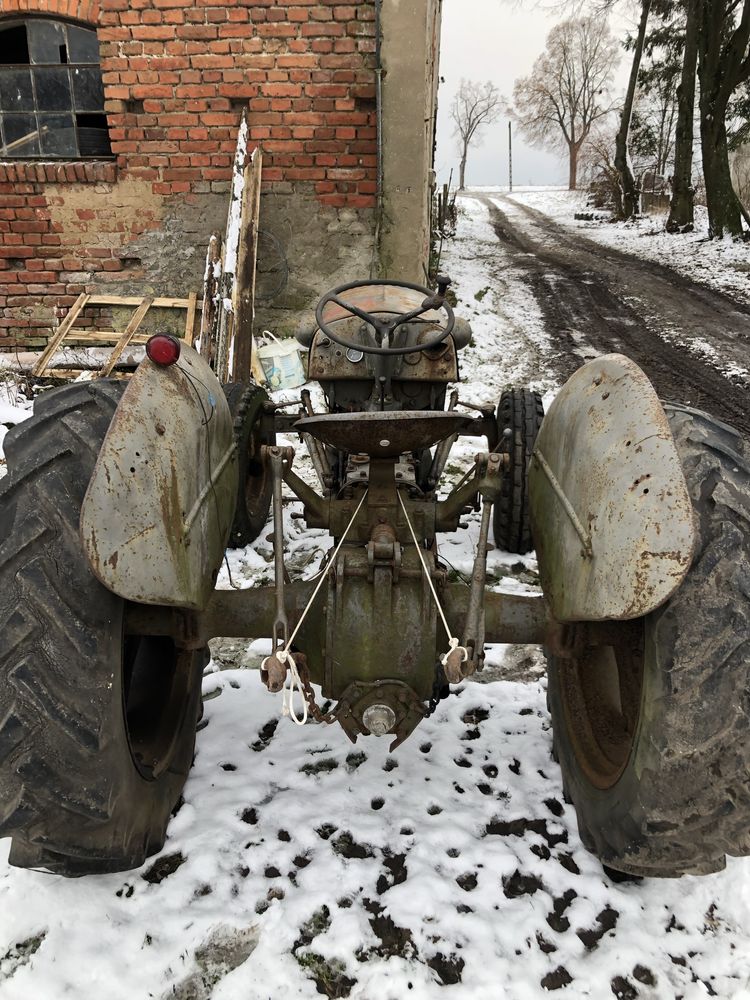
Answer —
611 516
159 506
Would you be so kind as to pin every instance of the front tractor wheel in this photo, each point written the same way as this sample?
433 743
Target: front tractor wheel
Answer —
650 718
97 725
252 430
520 411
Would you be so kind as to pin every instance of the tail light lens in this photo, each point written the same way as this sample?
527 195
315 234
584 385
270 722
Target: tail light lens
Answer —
163 350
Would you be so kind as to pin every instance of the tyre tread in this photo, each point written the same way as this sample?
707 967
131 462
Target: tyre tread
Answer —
64 757
692 806
522 411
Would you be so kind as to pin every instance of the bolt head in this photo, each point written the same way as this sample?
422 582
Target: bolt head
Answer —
379 719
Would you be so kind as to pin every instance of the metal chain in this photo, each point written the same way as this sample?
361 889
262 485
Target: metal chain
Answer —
304 675
438 688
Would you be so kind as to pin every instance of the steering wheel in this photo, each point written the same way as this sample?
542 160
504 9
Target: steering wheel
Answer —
384 328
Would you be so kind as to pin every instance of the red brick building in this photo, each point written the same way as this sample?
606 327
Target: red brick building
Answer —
115 181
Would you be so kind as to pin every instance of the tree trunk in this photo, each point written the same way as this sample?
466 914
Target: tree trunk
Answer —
630 192
681 204
462 167
717 81
724 214
572 166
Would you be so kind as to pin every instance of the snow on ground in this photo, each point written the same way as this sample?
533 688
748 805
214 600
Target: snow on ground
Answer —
300 865
13 409
721 264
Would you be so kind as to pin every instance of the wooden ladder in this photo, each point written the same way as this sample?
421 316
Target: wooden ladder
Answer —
69 333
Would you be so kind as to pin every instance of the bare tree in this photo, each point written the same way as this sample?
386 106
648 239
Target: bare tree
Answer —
475 105
723 67
567 89
629 201
681 207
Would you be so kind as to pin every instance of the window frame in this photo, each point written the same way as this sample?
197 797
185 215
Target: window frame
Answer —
77 150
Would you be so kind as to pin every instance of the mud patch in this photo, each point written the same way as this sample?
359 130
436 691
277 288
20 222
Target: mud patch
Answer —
265 736
518 884
222 952
320 766
448 969
606 921
163 868
347 847
395 866
394 940
557 919
520 827
557 979
329 975
20 954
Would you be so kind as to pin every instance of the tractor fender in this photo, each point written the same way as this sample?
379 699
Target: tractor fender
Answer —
611 516
158 509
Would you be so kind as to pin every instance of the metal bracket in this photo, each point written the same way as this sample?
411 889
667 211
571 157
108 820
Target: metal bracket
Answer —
281 623
584 535
489 485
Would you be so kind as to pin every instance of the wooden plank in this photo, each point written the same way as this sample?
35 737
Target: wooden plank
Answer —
135 321
83 333
244 308
190 318
73 373
58 337
62 373
94 337
134 300
232 244
210 295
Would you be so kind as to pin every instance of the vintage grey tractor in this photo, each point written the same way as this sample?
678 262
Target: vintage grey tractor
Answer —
121 498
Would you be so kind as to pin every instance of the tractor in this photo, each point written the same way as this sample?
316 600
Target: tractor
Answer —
122 497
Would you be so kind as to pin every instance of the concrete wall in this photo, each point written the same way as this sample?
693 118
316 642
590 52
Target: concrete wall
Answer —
410 50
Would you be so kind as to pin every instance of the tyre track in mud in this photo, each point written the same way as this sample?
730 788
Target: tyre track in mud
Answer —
596 300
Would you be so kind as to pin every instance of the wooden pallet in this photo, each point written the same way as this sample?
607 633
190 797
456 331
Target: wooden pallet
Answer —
68 333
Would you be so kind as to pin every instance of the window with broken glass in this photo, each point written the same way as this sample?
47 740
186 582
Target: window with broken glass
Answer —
51 92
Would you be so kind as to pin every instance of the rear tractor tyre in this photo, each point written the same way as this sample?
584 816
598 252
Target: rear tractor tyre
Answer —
651 724
252 430
521 412
97 726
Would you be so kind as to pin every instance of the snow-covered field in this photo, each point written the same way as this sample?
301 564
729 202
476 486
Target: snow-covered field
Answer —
301 865
721 264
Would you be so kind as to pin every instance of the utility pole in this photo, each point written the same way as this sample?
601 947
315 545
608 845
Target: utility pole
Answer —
510 157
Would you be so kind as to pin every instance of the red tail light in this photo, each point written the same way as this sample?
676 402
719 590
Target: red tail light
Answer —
163 350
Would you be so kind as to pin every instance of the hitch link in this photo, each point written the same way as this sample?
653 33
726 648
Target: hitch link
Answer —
273 669
491 470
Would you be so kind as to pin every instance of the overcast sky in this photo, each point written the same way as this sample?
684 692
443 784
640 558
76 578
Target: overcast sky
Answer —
498 41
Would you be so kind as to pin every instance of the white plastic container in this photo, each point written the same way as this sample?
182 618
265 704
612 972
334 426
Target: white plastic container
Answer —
282 364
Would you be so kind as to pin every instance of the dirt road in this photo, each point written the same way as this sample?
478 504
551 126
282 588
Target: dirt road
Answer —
692 342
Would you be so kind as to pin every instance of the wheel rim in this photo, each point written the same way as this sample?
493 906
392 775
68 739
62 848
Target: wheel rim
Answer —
157 682
601 687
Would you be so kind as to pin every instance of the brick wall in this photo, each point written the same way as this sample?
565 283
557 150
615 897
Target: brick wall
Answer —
176 78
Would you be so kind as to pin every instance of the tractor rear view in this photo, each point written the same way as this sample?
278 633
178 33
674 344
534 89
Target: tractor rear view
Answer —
121 499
